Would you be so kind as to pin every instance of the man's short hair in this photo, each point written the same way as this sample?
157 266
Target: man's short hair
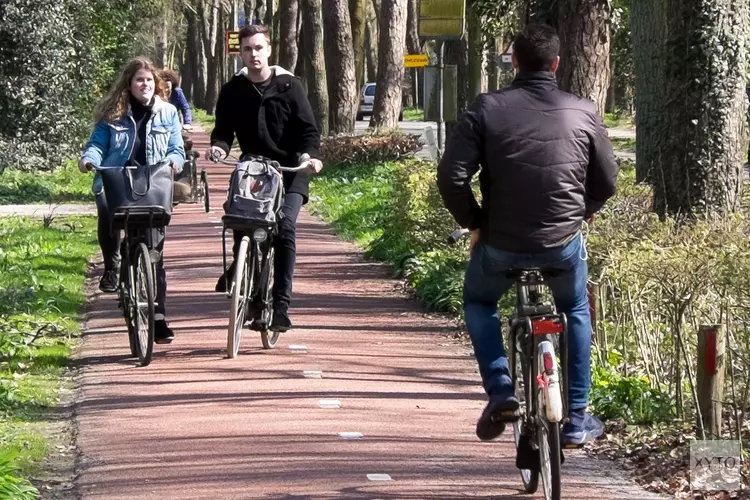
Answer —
536 47
254 29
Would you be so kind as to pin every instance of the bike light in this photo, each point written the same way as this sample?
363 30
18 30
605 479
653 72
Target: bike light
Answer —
548 362
260 235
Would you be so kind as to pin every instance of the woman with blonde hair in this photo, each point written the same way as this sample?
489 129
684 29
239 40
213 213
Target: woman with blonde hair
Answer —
135 125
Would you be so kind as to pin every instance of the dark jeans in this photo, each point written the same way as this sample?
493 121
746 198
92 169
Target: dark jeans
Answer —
285 246
485 283
109 242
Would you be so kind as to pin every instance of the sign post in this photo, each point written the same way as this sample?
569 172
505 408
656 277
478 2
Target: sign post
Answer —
441 20
233 43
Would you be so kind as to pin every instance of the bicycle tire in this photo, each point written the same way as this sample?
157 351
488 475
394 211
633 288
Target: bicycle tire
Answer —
127 313
241 288
142 289
548 440
204 183
530 478
268 337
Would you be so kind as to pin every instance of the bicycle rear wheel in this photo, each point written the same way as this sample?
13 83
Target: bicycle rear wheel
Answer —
548 439
142 293
241 288
520 374
268 336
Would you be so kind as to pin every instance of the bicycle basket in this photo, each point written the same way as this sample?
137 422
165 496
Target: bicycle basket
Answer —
254 190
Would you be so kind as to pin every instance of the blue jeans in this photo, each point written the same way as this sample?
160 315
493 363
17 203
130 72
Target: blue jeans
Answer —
485 283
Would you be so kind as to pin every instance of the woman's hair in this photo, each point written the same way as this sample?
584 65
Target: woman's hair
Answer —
171 75
114 105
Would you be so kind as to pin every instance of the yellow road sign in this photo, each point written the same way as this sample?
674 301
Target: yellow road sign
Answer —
441 19
416 60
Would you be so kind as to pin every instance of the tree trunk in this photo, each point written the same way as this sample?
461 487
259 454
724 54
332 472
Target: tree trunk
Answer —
413 45
701 155
315 62
358 10
197 57
162 35
340 58
648 26
476 54
584 49
371 39
288 34
212 46
390 64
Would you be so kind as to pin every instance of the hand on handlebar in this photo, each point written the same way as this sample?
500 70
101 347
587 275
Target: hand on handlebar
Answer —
215 154
85 167
313 164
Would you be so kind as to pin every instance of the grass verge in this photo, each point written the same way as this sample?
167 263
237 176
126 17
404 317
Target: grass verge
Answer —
42 275
65 184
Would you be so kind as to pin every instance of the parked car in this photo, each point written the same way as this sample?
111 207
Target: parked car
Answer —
367 100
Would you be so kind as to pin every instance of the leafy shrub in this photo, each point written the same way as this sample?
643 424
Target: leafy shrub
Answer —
370 148
61 185
12 486
630 398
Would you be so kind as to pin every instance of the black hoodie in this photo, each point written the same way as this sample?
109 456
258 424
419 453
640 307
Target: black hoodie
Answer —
279 124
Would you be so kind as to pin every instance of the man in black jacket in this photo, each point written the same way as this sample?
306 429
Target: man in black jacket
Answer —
267 109
546 166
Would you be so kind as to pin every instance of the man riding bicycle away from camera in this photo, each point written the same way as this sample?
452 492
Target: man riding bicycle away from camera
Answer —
546 167
135 125
267 109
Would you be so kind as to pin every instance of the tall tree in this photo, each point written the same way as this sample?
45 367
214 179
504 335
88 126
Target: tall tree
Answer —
648 24
288 34
584 49
358 10
476 53
387 105
340 60
699 162
372 35
413 45
315 68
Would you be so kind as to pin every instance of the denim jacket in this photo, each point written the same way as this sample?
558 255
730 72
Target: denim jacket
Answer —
111 143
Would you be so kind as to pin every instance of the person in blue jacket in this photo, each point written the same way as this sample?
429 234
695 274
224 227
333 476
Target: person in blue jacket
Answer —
135 125
176 96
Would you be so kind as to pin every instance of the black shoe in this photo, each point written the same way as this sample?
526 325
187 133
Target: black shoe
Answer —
501 409
162 333
221 285
280 321
108 283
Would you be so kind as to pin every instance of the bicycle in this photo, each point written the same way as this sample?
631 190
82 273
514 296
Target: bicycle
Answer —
255 257
136 288
198 188
536 333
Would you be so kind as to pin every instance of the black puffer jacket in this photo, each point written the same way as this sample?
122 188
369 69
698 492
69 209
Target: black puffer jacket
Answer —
546 163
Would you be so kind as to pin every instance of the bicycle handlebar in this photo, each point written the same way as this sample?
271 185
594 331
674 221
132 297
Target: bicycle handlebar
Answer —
304 161
160 163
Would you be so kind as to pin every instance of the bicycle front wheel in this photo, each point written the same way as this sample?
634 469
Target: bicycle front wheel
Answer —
142 291
268 336
241 288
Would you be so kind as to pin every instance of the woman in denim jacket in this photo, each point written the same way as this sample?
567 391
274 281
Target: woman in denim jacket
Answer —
135 125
